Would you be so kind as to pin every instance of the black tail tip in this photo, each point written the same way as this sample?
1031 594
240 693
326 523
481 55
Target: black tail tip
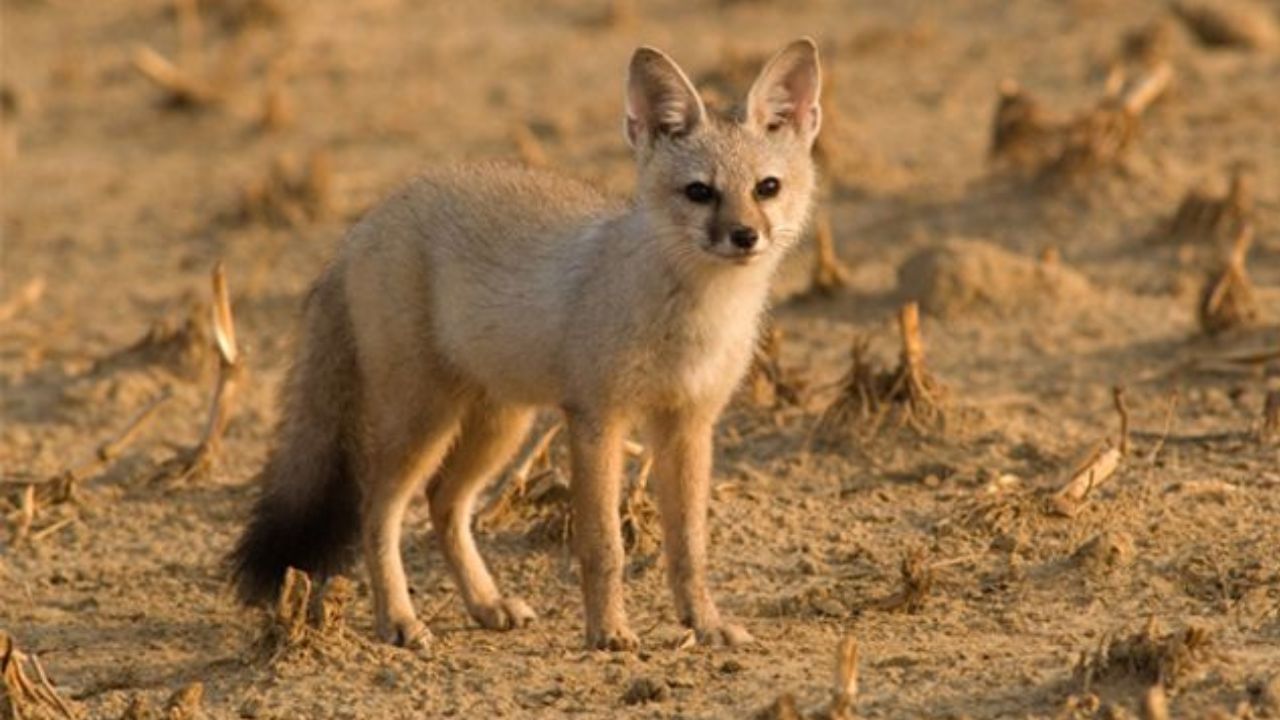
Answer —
317 536
257 568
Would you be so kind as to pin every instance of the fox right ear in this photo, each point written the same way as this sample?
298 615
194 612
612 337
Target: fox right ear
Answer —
660 99
786 93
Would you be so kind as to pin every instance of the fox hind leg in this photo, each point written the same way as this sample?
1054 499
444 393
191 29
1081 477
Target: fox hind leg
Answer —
405 443
490 435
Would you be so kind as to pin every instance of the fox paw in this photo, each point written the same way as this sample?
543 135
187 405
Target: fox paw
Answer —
723 635
411 634
504 614
613 639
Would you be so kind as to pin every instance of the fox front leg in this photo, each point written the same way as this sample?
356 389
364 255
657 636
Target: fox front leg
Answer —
596 449
682 467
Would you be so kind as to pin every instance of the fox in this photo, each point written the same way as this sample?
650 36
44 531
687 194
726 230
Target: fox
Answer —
479 293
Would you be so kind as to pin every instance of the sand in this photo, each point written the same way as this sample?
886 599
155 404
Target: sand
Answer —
116 205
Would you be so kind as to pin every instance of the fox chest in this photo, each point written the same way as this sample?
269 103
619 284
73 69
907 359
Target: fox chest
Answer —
698 358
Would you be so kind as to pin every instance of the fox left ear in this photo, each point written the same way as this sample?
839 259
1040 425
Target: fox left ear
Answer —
786 93
660 99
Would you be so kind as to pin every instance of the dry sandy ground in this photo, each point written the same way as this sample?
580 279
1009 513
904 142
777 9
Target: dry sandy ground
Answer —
123 204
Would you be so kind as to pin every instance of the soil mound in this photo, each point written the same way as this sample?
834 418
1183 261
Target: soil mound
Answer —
965 276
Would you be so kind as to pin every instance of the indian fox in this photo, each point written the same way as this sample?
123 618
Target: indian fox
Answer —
477 293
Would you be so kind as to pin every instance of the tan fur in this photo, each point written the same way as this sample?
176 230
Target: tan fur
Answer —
480 292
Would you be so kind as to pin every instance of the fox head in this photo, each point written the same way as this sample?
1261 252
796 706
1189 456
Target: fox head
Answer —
732 190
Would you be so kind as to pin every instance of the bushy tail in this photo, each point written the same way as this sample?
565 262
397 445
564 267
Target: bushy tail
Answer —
307 515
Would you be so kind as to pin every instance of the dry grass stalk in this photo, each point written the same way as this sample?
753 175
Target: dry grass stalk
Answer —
1087 475
1149 655
769 384
289 623
1027 137
288 194
1170 412
305 617
197 461
1122 409
547 499
62 487
1095 467
868 396
1270 430
1206 216
1155 704
639 516
917 583
1022 131
25 516
912 387
183 90
328 615
518 483
1096 139
184 704
859 400
24 698
1228 300
829 274
845 694
27 295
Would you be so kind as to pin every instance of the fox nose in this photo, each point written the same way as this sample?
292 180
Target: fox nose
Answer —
743 237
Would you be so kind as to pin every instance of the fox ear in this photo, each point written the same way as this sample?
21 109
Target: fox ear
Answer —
786 93
660 99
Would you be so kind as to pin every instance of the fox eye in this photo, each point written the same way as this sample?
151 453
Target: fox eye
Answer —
699 192
768 187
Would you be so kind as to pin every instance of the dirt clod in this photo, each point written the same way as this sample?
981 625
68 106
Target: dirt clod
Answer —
290 193
1107 551
1149 655
1228 299
645 690
975 277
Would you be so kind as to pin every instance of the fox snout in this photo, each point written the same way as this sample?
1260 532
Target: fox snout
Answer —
736 241
744 238
738 233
